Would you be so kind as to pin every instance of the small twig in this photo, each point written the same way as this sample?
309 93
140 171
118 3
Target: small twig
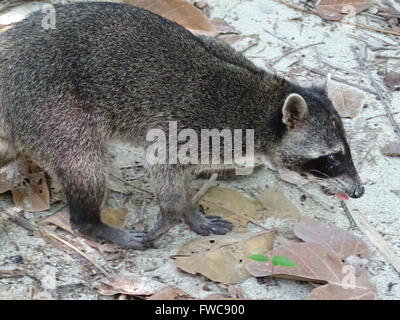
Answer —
12 214
381 115
279 38
277 59
323 73
379 56
378 90
130 184
347 212
71 246
374 237
251 45
14 273
210 183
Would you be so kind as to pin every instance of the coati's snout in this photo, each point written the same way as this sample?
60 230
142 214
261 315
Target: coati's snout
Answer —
315 144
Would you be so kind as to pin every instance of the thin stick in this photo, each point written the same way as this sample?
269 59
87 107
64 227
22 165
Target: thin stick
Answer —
12 214
71 246
210 183
381 115
379 91
379 56
323 73
374 237
130 184
359 25
277 59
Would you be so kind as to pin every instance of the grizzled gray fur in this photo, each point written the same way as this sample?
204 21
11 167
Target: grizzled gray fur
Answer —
113 71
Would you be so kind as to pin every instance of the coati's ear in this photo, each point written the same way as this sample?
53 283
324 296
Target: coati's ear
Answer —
294 110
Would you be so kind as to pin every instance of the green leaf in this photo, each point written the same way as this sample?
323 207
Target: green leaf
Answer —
258 257
282 261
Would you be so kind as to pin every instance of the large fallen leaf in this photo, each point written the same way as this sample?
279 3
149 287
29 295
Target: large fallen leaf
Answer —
129 284
338 9
232 206
338 240
277 205
220 258
319 264
348 101
180 11
329 255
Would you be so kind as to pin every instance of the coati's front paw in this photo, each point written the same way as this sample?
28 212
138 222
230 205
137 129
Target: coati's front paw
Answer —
205 225
128 239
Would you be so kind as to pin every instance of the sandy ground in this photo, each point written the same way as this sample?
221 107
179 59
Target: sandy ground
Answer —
279 28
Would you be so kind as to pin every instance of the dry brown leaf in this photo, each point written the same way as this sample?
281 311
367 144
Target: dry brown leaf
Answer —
170 293
232 206
180 11
348 101
277 205
333 291
129 284
224 27
220 258
33 193
59 219
319 264
338 9
392 79
338 240
392 149
116 218
321 259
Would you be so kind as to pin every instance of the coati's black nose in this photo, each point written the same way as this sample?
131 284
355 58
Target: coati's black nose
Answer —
358 192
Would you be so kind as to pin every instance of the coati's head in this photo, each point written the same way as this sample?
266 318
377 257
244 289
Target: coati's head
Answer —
314 143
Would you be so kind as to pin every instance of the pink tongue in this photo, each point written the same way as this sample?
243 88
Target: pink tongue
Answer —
342 196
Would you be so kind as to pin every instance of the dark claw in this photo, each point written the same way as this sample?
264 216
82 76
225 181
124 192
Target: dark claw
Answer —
205 225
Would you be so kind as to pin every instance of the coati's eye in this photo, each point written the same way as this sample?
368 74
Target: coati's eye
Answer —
328 166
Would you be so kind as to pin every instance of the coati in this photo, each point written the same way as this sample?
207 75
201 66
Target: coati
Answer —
114 71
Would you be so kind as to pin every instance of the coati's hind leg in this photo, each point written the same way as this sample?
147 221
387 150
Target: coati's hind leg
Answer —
77 159
172 191
85 189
